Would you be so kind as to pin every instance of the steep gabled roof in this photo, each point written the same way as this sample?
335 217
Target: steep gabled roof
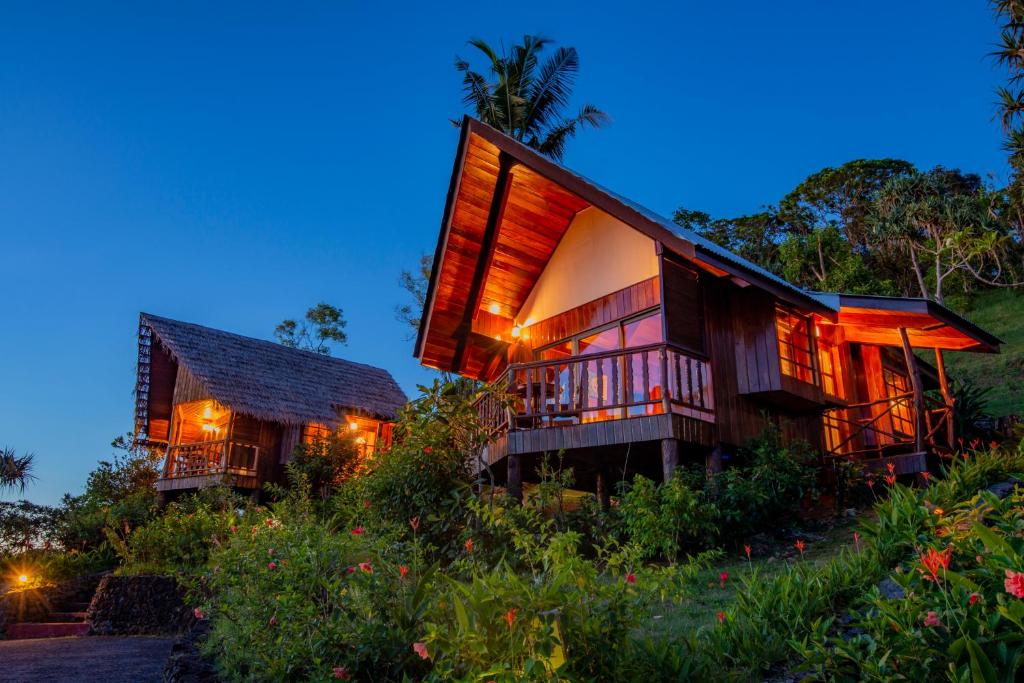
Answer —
269 381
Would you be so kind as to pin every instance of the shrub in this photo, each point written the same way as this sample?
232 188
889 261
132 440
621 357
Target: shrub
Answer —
325 463
665 519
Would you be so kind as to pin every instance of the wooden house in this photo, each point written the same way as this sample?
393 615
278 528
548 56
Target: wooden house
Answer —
630 343
228 408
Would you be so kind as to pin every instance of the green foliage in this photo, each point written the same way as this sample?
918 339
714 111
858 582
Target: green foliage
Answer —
325 463
663 520
15 470
322 325
525 98
24 526
823 260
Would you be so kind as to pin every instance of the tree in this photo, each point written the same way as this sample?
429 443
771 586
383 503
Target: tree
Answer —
15 470
945 222
414 282
322 325
525 98
755 237
1010 99
824 260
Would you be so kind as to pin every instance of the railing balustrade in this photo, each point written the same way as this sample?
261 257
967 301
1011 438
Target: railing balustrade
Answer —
211 457
865 429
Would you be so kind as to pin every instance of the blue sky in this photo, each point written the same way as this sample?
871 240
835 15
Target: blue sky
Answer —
233 164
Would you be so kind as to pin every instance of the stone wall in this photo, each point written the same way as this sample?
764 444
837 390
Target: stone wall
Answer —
139 605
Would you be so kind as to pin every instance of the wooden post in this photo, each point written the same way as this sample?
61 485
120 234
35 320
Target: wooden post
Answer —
666 405
514 484
918 389
947 395
601 490
669 458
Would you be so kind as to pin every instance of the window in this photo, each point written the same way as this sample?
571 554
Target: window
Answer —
897 386
829 363
795 350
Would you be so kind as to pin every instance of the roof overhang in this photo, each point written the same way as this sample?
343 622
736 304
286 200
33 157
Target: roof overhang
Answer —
878 319
506 210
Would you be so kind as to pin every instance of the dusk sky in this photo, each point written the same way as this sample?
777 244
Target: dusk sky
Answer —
232 164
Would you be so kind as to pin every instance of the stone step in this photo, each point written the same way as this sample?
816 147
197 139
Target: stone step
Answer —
66 616
50 630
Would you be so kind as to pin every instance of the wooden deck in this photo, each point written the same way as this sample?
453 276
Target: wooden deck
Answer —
199 481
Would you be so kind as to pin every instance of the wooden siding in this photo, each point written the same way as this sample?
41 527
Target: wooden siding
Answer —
163 370
682 304
188 388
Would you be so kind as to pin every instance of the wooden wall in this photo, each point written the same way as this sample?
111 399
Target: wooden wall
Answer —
162 373
189 388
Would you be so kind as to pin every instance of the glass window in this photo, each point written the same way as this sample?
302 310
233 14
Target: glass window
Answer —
896 389
643 369
795 354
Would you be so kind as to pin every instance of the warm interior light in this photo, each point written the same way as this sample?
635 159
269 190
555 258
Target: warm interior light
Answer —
361 440
353 426
22 579
516 331
208 412
210 428
494 308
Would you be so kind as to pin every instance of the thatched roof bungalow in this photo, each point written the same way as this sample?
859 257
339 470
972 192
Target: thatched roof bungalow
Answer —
221 404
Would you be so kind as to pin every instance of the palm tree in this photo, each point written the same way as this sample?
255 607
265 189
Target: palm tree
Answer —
15 471
525 98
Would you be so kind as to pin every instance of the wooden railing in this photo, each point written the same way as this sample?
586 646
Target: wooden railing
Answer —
870 429
645 380
211 457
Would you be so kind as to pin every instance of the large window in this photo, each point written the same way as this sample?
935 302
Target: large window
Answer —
605 383
897 388
796 354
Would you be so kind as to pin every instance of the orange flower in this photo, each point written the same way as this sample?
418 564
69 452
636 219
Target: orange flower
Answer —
414 523
421 650
939 511
926 475
933 560
746 549
891 467
510 616
800 545
402 570
469 545
1014 583
721 617
890 479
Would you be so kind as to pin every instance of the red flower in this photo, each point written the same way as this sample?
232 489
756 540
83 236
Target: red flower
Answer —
973 599
890 479
272 566
421 650
234 529
800 545
856 539
358 531
974 444
198 613
746 549
631 578
993 445
1014 583
366 567
469 545
273 620
721 617
963 455
270 521
932 619
366 503
891 467
350 570
402 570
933 560
870 483
414 523
510 616
341 673
428 449
722 578
926 475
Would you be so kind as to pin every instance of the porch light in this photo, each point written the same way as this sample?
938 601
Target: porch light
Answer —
353 426
516 331
494 308
208 412
210 428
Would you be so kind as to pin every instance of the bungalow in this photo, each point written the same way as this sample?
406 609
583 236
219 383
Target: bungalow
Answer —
223 407
631 343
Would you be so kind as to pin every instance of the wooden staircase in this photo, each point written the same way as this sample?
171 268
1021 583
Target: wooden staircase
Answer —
67 616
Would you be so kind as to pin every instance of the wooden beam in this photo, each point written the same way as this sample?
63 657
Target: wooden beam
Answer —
476 287
918 388
947 395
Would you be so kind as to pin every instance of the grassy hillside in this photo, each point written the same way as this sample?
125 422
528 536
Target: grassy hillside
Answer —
1002 313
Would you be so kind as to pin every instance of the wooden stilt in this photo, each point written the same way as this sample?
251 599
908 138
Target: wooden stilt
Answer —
669 458
601 490
515 478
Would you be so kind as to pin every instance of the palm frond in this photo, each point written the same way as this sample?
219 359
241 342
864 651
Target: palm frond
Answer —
15 470
550 93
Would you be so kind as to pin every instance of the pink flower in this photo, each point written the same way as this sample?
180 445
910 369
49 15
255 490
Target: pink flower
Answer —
358 531
1014 583
721 617
421 650
932 619
350 570
722 578
272 566
270 552
234 529
273 620
341 673
198 613
870 483
856 539
366 567
366 503
631 578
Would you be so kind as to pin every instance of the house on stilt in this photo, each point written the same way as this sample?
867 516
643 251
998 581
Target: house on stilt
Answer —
632 344
223 408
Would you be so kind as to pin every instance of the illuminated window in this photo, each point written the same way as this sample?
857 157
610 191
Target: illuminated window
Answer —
315 431
828 365
897 390
833 437
795 351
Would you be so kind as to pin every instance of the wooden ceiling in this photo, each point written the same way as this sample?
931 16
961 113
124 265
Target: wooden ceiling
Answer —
924 329
484 279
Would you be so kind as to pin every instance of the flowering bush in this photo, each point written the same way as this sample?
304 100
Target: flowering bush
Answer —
665 519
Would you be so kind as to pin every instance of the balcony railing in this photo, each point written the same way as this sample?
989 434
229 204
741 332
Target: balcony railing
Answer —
645 380
879 427
211 457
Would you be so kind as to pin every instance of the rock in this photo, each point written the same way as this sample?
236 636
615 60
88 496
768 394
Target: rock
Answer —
139 605
186 663
890 590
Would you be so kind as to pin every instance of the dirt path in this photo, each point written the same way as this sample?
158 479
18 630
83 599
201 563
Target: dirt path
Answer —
86 660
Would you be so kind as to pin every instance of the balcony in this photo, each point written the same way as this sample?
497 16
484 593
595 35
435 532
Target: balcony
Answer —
597 390
190 464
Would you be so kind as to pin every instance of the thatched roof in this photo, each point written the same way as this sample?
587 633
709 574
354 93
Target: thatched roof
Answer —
273 382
